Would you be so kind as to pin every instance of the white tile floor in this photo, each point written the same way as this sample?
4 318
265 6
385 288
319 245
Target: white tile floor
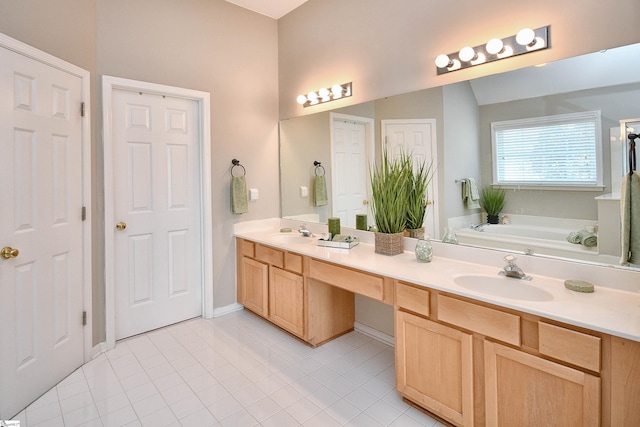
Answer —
235 370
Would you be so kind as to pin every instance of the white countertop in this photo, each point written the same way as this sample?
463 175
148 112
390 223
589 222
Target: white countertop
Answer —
608 310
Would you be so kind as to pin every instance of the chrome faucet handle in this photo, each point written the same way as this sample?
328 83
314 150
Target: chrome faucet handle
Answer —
511 260
512 270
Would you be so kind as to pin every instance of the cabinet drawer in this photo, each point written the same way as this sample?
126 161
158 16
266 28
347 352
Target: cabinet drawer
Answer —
270 255
412 298
351 280
247 248
483 320
293 262
569 346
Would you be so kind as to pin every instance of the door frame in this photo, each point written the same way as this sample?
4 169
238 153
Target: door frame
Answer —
369 149
84 76
109 84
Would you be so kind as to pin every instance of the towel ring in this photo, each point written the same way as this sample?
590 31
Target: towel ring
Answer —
318 165
236 162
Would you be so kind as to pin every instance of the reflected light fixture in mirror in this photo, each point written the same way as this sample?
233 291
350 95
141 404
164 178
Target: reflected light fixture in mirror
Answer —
527 40
324 94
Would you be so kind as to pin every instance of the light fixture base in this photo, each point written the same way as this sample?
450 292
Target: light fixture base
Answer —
510 48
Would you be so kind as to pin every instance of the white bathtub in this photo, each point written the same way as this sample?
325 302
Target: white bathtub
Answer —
536 238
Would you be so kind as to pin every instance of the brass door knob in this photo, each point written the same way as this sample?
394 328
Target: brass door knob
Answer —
8 253
121 226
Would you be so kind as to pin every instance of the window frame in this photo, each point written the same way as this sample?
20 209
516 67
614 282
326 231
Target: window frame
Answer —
594 116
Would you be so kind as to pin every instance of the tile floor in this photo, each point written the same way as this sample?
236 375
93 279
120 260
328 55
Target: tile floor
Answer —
235 370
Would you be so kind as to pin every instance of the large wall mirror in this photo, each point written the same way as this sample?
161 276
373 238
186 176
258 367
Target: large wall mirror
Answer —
539 219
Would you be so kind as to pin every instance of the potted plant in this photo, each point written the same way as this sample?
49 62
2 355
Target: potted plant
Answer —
492 201
420 176
388 204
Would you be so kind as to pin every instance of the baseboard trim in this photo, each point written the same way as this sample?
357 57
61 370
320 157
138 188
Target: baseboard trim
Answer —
375 334
221 311
98 349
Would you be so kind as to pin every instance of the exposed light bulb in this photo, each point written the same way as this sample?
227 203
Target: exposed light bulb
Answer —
467 54
336 90
324 92
312 96
443 61
301 99
495 46
526 37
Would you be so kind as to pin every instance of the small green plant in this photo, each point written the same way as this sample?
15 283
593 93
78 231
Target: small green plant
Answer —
389 195
492 200
418 181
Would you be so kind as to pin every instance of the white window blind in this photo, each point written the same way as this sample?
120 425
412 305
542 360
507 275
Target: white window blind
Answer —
553 151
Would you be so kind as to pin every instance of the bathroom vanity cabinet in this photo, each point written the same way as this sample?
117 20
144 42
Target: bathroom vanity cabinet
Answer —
469 362
274 284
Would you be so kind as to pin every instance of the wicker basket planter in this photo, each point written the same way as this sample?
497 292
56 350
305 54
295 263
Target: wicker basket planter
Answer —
389 244
416 233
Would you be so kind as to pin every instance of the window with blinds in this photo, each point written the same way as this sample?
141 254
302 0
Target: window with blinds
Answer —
554 151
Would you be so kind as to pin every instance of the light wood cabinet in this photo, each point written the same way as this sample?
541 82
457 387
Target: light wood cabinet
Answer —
286 300
434 367
273 284
524 390
254 291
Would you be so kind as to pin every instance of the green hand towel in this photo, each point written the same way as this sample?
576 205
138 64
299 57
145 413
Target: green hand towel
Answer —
320 191
630 212
470 193
239 204
574 237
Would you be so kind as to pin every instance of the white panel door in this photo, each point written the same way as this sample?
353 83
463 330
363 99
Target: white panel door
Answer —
349 171
158 261
418 138
41 289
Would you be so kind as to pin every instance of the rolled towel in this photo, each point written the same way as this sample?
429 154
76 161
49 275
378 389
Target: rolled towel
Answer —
590 240
239 204
583 237
320 191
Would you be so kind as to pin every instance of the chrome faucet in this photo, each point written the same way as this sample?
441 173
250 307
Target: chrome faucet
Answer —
305 231
512 270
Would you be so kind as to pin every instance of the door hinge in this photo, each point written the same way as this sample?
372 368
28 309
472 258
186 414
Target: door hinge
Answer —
84 318
82 109
84 213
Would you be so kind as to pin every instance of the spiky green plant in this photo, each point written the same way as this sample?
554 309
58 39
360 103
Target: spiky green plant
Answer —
492 200
389 195
420 176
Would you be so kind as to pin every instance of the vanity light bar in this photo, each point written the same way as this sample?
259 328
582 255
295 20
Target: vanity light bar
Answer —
527 40
323 95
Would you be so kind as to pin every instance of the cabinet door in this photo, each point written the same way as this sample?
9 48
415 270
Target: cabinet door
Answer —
286 300
434 367
255 294
525 390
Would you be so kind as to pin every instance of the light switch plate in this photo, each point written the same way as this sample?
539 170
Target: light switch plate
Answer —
304 191
253 194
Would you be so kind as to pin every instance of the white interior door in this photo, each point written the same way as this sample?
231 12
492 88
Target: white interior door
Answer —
41 283
351 154
156 194
418 138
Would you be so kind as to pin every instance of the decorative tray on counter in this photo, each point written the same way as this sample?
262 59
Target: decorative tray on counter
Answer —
338 244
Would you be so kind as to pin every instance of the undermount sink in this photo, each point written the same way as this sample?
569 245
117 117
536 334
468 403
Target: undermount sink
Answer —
504 287
290 238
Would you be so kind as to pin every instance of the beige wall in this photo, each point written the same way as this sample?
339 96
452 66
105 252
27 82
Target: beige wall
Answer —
388 47
207 45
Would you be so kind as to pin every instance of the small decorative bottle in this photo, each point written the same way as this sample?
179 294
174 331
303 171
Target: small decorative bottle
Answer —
424 250
450 237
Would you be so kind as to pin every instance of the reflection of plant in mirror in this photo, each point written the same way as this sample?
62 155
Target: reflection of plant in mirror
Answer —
420 176
492 201
389 195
